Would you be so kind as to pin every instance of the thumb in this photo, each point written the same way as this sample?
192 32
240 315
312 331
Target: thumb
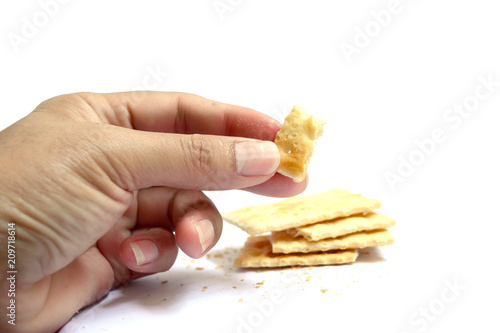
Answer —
203 162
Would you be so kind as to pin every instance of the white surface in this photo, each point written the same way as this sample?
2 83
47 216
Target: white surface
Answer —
269 56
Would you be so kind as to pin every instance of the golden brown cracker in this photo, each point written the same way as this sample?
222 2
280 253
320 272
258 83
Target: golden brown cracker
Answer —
257 253
283 243
296 141
301 210
342 226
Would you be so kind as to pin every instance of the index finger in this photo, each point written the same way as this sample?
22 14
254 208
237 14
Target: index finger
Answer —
174 112
184 113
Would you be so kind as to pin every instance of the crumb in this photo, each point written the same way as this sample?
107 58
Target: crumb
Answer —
240 300
200 268
163 282
218 267
218 255
261 283
234 287
208 256
182 284
308 278
205 287
257 287
242 280
324 290
149 294
164 299
193 261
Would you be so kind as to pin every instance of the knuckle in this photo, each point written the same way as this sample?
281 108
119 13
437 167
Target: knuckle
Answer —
201 151
207 162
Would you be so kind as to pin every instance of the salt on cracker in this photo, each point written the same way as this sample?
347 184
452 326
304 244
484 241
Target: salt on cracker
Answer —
296 141
342 226
299 211
257 253
284 243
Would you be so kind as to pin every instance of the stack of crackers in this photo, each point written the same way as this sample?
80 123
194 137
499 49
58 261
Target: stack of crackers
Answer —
322 229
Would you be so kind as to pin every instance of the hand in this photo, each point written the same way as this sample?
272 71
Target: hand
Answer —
96 185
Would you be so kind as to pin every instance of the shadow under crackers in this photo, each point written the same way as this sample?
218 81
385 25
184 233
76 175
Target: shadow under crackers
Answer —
370 254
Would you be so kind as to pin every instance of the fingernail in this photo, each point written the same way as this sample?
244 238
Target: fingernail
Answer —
206 233
256 158
145 251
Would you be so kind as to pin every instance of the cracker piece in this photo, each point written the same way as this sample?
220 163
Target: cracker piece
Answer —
342 226
296 141
284 243
257 253
298 211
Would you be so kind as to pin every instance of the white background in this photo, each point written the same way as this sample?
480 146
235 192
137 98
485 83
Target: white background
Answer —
395 91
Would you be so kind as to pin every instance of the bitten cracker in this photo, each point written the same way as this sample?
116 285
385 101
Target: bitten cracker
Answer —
299 211
342 226
284 243
296 141
257 253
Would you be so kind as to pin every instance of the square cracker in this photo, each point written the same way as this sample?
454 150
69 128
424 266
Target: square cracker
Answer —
257 253
296 141
342 226
284 243
298 211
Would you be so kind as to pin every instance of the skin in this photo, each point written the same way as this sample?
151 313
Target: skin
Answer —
84 175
